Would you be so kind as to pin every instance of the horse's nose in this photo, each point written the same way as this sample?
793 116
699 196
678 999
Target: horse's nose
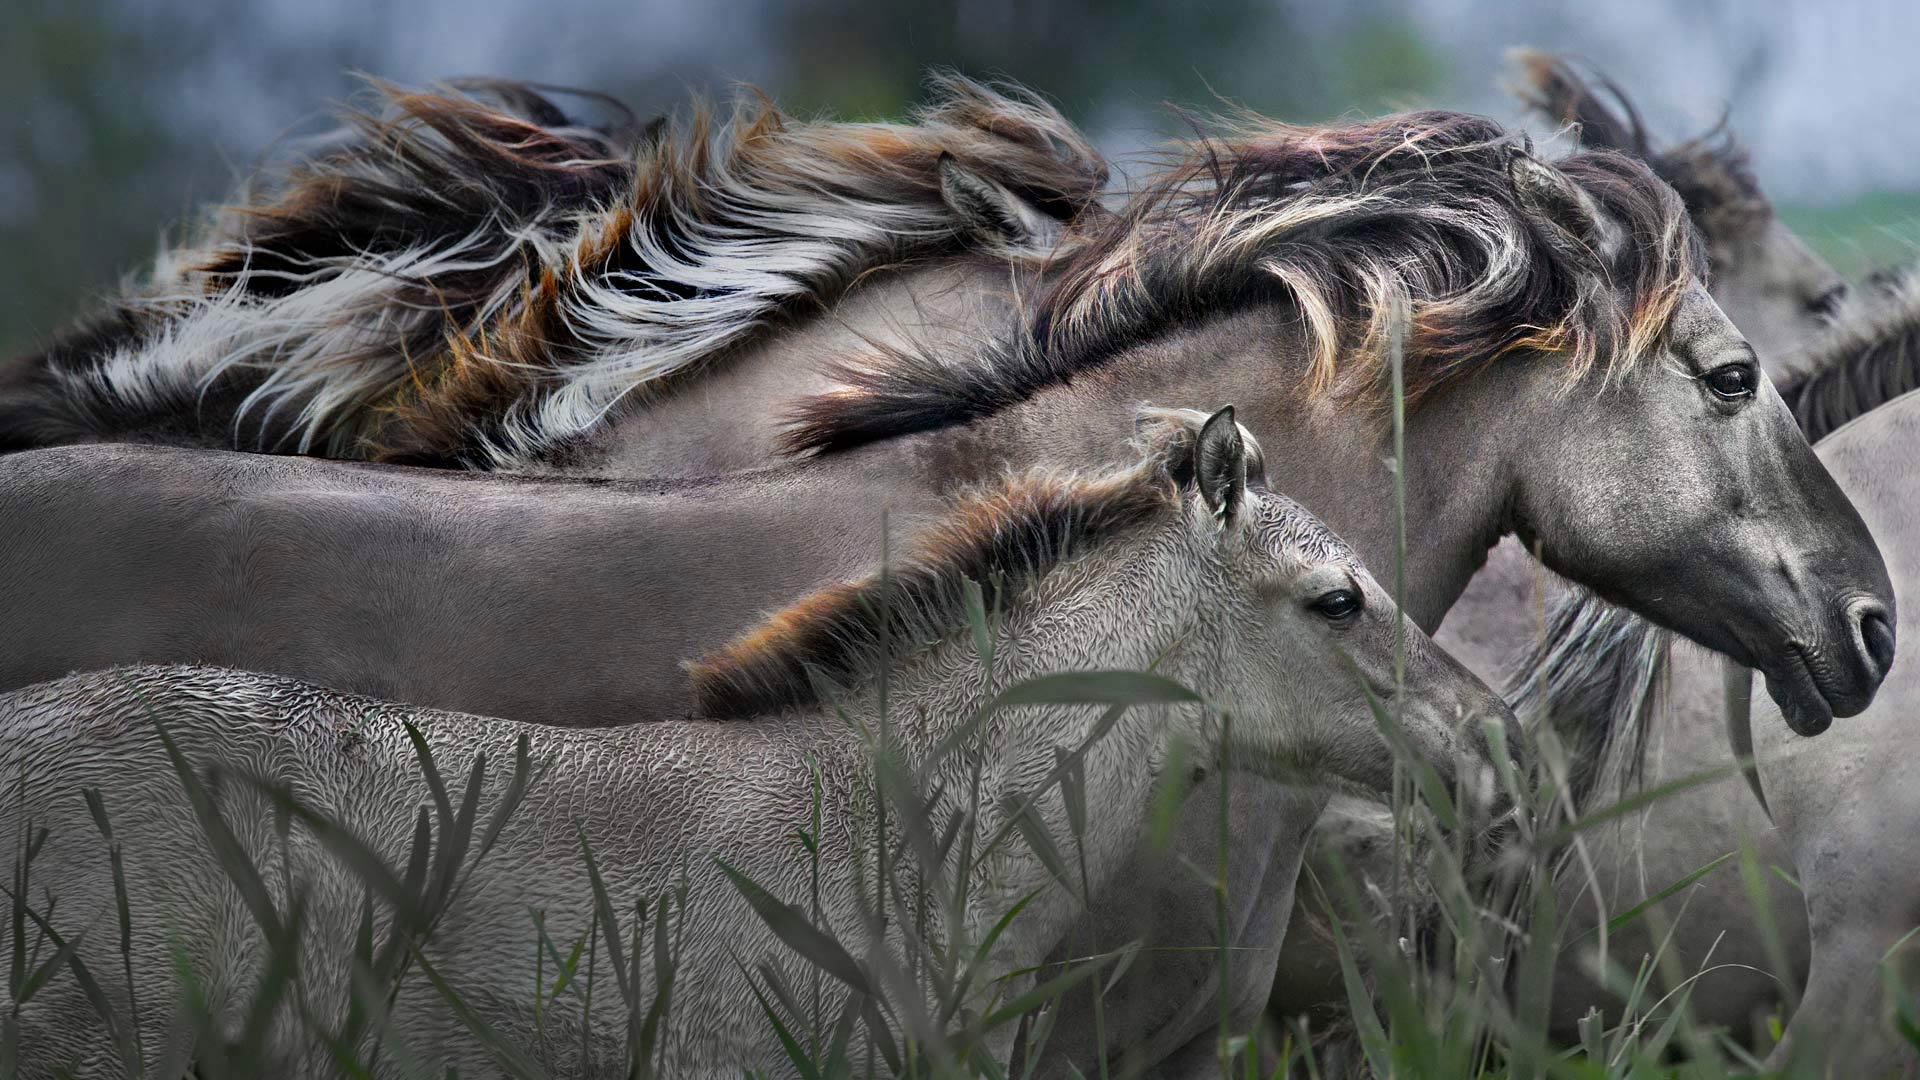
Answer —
1875 635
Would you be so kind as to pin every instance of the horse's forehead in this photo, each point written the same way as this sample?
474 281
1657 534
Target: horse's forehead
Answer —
1296 533
1700 327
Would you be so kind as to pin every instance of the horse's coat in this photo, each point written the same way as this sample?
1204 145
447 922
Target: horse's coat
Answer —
1614 454
452 590
1223 586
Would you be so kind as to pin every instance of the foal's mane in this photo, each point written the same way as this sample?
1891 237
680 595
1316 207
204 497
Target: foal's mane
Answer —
469 275
1870 357
1006 538
1711 171
1343 222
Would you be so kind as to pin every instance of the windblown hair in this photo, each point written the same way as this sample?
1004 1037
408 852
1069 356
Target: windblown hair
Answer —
1594 677
1711 171
468 277
1006 538
1348 224
1870 357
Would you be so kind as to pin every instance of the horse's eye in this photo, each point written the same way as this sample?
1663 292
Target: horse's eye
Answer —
1732 382
1828 302
1339 604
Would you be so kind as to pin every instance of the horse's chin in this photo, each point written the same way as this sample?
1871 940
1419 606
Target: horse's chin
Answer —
1792 686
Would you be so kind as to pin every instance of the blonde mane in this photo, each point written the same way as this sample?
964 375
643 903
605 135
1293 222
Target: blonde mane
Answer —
1346 224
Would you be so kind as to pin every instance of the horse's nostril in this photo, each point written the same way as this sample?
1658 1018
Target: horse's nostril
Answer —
1877 633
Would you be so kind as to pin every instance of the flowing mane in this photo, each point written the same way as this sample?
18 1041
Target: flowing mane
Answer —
466 275
1711 171
1007 539
1342 222
1594 677
1871 357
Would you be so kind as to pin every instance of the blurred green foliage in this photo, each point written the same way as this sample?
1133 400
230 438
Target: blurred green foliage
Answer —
1861 235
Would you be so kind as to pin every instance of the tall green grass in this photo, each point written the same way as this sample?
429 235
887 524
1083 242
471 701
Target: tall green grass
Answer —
1447 962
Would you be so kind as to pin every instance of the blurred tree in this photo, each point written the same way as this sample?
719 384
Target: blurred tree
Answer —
89 167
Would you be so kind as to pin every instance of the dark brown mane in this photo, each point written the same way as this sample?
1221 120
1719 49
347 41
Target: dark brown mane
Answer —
1711 171
421 286
1871 357
1336 221
1006 539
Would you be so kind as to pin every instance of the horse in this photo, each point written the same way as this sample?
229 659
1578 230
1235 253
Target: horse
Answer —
1798 312
456 590
362 298
1785 298
1561 361
1184 561
1604 680
1837 803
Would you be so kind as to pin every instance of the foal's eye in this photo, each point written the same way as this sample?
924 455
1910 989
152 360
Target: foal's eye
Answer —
1339 604
1733 382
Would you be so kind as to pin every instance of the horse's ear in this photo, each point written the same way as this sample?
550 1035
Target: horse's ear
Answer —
1546 192
1553 88
1220 465
988 210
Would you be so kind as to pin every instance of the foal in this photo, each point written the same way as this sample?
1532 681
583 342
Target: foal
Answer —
1180 560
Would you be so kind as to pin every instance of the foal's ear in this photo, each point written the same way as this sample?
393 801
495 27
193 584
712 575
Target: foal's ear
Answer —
1546 192
1220 465
988 210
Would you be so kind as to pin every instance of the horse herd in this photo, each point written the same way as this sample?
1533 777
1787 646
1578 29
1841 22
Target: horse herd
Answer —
543 418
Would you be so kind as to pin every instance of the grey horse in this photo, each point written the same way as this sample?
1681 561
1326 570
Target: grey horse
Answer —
1563 362
456 590
1505 627
1180 560
1841 807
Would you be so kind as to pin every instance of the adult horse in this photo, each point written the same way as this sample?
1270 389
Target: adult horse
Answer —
1599 676
1182 560
1782 296
1842 806
1562 362
1590 674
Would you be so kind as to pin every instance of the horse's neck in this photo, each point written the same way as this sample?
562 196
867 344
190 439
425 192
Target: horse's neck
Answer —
1333 458
731 415
1088 616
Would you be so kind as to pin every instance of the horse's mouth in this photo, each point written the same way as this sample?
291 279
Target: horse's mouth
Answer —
1794 685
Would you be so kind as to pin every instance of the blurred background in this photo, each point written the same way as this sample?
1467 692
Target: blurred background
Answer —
126 114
